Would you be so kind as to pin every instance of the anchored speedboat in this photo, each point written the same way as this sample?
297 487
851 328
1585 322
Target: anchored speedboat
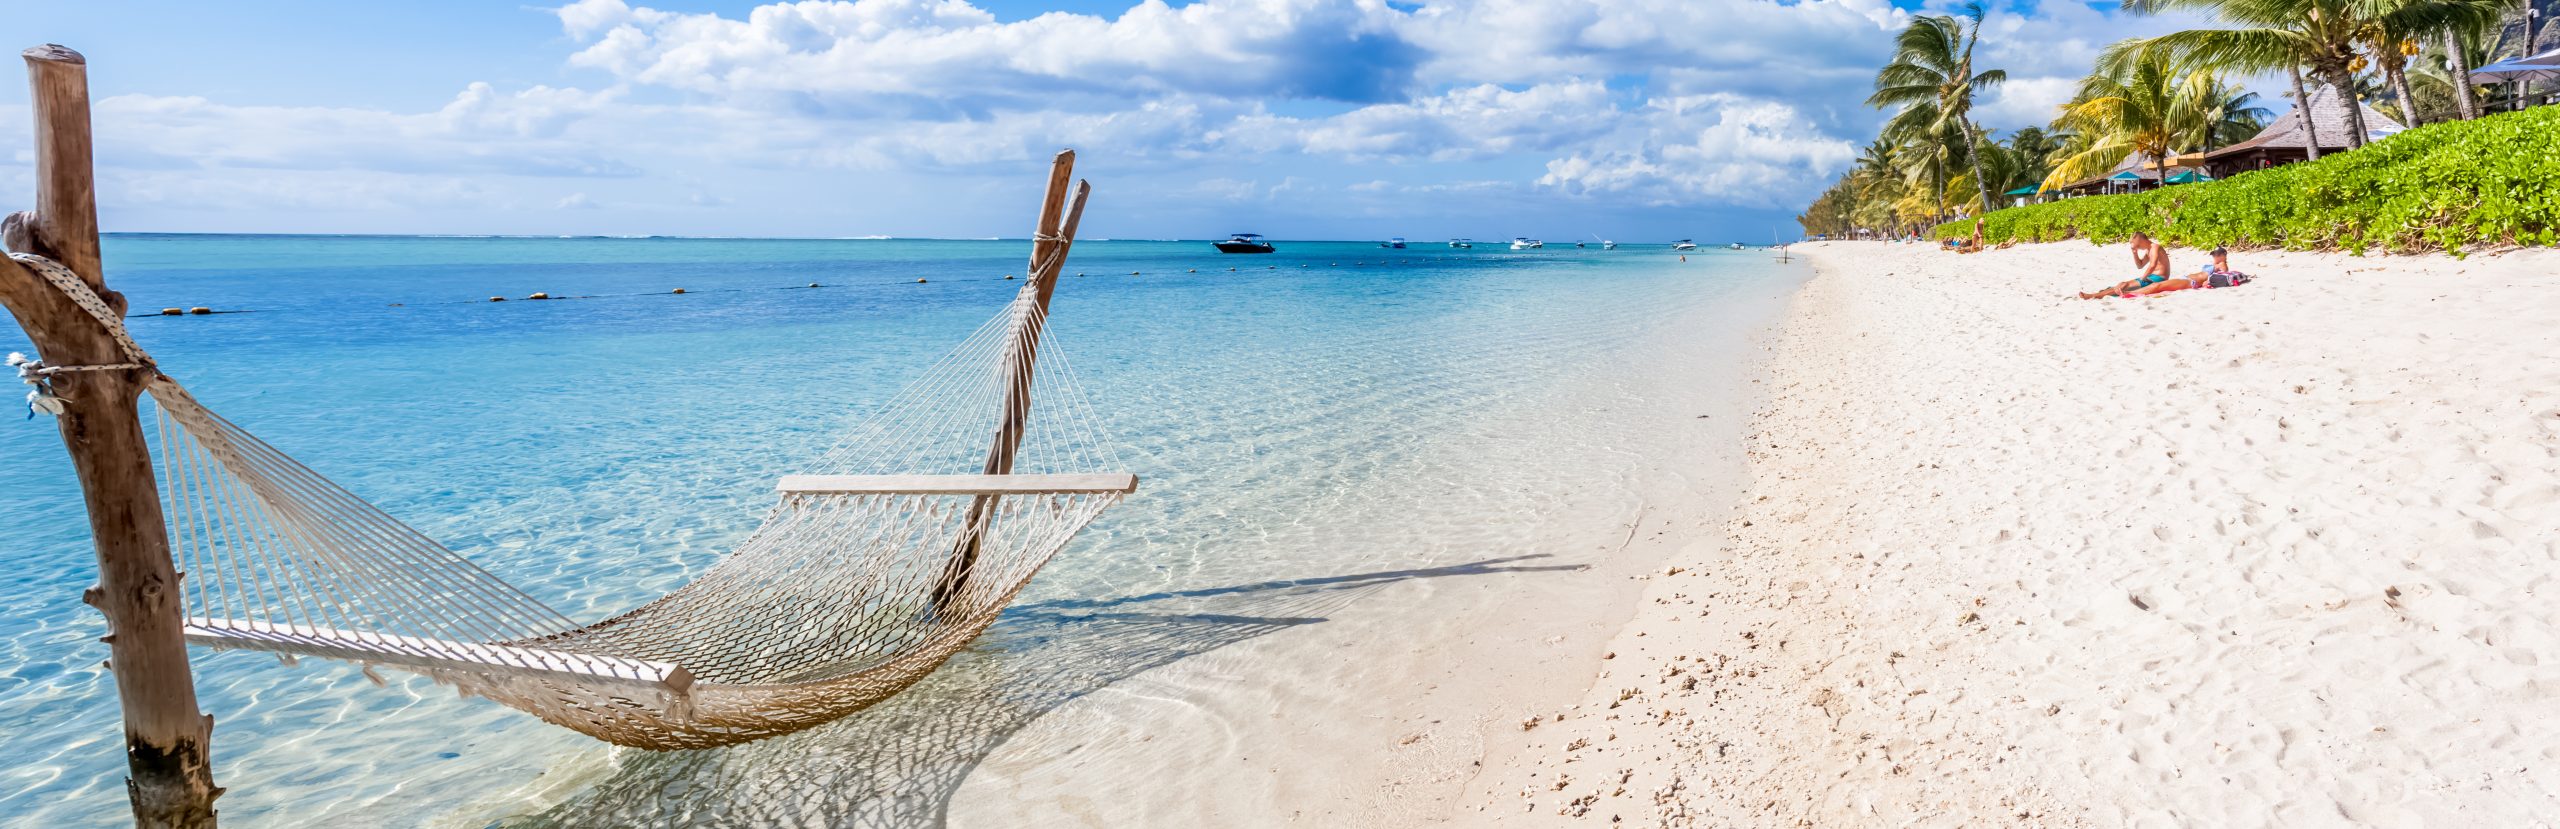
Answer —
1245 243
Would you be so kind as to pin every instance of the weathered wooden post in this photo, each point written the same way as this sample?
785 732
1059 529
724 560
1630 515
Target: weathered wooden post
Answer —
167 740
1050 240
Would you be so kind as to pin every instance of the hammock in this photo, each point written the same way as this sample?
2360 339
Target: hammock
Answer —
859 582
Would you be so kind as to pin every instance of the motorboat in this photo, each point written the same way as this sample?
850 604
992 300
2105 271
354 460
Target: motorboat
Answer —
1396 243
1525 243
1736 246
1608 245
1684 244
1462 243
1580 245
1245 243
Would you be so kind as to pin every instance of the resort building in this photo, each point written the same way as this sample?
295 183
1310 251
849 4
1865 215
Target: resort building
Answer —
2135 172
2284 141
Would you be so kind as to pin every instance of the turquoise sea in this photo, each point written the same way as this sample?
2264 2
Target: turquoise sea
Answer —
1334 432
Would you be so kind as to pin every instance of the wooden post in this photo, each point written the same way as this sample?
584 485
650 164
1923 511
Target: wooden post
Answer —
1055 233
167 739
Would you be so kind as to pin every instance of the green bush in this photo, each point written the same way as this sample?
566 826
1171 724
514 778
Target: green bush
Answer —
2450 186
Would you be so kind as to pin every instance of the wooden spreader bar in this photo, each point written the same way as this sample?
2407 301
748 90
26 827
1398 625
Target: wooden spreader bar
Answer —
1097 482
444 654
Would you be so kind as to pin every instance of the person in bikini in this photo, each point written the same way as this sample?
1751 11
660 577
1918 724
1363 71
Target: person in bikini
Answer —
2152 257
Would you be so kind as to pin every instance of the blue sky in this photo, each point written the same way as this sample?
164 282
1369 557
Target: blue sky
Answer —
1631 119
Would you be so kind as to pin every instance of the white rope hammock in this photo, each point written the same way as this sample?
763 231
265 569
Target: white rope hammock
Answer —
909 539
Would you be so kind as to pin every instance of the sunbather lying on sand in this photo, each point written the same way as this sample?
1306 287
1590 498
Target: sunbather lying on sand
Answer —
2152 257
2216 275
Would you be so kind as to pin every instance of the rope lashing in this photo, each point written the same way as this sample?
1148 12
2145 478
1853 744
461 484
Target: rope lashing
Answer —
33 372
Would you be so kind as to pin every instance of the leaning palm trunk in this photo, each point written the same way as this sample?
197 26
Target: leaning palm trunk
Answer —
2463 105
2344 83
2399 77
2310 125
1973 150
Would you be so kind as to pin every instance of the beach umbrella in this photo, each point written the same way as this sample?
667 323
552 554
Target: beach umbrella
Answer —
2022 191
2515 70
2522 71
2186 177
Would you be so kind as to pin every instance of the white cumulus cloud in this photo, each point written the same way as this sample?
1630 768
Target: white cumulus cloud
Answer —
1707 148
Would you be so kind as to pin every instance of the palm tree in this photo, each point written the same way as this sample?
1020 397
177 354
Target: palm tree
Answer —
2036 149
1876 183
2398 26
1933 66
2006 169
1926 146
2218 114
2125 108
2274 34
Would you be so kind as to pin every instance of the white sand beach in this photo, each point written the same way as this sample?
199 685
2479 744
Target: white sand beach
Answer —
2267 556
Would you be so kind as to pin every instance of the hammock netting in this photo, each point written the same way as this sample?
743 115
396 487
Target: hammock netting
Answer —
903 543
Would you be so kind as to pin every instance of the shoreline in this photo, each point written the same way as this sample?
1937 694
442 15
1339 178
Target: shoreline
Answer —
1435 671
2258 556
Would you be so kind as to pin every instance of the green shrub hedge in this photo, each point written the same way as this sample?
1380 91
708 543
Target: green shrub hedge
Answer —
2449 186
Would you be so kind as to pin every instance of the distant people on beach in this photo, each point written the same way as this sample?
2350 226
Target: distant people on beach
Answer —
2217 274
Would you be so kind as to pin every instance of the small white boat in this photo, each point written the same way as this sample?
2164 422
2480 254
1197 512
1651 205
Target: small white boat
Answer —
1525 243
1684 244
1462 243
1608 245
1396 243
1736 246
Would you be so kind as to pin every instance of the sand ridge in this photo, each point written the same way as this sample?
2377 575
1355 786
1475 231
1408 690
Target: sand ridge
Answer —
2265 556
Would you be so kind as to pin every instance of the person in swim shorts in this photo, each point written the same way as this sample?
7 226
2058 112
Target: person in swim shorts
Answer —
2152 257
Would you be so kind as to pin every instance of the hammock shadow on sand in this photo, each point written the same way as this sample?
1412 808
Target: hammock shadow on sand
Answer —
898 764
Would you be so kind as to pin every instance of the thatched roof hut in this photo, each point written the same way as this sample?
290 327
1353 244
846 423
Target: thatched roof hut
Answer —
2284 140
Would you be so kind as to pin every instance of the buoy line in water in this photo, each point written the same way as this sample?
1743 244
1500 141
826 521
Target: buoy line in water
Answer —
545 296
669 292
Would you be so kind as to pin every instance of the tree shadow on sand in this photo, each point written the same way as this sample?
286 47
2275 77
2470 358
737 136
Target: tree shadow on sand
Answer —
897 764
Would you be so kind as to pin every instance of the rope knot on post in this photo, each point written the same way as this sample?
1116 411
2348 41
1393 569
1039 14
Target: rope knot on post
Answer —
34 372
41 400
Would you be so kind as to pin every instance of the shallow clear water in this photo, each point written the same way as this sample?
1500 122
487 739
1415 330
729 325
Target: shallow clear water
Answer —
1312 426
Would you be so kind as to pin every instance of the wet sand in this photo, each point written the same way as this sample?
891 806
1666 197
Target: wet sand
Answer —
2269 556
